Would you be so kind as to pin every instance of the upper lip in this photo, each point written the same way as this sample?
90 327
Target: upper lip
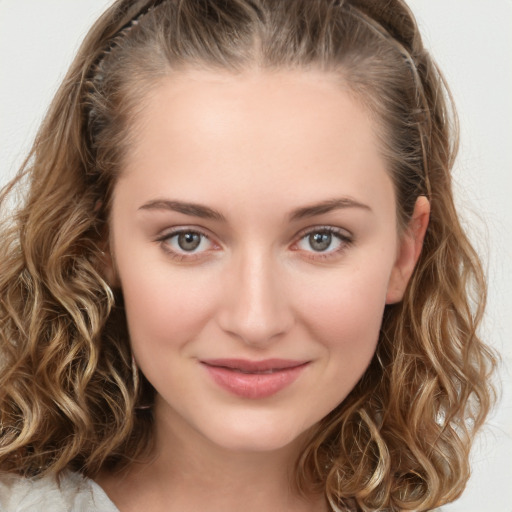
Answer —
247 365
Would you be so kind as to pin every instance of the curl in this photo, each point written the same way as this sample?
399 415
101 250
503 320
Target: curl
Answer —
69 395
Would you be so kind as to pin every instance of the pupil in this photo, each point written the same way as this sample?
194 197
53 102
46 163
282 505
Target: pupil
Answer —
189 241
320 241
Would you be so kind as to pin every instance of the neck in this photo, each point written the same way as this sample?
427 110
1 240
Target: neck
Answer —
189 472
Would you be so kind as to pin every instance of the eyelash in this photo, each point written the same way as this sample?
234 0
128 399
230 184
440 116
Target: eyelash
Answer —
345 241
182 256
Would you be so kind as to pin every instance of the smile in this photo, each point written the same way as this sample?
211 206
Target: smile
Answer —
254 379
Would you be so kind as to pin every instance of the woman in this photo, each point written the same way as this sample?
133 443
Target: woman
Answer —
238 278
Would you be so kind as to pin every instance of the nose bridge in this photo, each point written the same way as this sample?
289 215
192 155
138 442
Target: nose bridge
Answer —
256 307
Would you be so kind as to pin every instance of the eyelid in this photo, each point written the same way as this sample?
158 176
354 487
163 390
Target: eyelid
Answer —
341 232
184 256
345 236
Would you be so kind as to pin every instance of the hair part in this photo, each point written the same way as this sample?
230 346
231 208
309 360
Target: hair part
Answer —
69 394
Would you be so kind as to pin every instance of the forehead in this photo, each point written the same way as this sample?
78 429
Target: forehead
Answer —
283 107
255 132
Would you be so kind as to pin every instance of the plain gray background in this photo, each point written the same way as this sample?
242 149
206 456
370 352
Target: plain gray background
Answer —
471 40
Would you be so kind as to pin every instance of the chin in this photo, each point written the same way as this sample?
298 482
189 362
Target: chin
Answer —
257 435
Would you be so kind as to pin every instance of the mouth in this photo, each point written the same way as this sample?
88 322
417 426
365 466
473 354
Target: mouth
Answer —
254 379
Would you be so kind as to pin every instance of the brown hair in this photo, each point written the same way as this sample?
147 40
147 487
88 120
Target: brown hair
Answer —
69 394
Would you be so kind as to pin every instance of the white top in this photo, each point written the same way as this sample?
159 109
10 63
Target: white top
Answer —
72 492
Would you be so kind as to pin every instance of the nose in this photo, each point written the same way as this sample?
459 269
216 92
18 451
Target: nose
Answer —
255 306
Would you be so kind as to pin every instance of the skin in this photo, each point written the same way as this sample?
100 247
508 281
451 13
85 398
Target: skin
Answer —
259 149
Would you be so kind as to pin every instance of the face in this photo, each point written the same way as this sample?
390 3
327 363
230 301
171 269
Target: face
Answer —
254 239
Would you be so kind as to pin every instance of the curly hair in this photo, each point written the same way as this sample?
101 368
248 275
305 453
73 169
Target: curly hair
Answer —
70 395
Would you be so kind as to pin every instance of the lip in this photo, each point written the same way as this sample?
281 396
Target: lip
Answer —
254 379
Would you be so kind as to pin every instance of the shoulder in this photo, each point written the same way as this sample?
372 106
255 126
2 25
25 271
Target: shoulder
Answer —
69 491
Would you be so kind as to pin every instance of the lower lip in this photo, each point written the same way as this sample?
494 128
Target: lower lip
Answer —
254 385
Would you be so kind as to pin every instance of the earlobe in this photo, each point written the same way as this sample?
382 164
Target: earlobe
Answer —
409 249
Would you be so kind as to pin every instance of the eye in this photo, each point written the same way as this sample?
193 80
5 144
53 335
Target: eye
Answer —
186 242
325 240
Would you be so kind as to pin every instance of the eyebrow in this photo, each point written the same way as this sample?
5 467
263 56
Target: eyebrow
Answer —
196 210
205 212
326 207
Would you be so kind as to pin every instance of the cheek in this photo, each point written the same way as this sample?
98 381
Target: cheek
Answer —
163 308
350 299
344 314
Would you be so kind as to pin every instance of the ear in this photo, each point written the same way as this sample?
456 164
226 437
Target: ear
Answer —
108 268
107 263
106 260
408 251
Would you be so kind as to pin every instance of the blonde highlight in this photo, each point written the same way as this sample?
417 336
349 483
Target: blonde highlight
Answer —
69 394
